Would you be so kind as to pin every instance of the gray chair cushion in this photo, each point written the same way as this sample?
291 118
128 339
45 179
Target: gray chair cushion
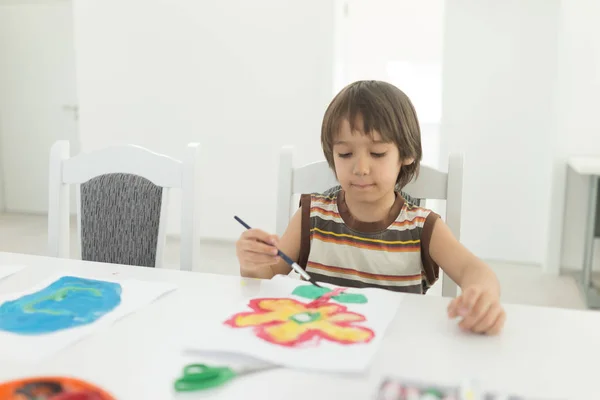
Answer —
120 214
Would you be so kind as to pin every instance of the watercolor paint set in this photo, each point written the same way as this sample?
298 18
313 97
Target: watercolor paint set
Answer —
406 389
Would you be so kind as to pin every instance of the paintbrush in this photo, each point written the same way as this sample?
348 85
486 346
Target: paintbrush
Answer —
288 260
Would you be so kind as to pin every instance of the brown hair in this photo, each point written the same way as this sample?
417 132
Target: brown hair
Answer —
384 108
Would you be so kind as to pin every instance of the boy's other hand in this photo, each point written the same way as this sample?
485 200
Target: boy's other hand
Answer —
480 310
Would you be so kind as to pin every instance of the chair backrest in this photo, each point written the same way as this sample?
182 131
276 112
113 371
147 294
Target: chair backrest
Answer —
314 177
122 197
317 177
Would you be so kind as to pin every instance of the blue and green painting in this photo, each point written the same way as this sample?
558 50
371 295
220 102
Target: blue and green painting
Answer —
66 303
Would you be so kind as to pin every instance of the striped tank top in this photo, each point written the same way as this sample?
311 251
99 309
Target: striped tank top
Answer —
390 254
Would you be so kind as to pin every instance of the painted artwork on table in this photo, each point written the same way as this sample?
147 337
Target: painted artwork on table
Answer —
298 325
61 310
66 303
339 294
289 322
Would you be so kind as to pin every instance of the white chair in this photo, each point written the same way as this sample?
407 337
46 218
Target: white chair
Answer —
431 184
122 197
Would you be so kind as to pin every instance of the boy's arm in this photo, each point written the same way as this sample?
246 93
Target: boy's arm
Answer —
458 262
479 304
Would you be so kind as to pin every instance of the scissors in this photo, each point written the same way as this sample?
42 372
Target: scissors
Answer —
202 377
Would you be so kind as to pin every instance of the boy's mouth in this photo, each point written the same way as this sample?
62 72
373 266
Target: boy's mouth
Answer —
363 185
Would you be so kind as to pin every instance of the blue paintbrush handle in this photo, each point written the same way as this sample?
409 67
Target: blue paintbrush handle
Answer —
238 219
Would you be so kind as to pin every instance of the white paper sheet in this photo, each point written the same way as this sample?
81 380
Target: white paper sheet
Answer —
7 270
215 336
134 294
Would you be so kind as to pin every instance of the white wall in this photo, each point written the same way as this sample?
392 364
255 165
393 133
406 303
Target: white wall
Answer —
579 127
242 78
379 31
399 41
1 165
37 81
499 91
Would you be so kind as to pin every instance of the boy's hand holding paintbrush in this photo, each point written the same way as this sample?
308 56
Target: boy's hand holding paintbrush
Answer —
261 254
257 253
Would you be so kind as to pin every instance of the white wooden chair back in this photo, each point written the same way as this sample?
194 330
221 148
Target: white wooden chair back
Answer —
129 160
431 184
315 177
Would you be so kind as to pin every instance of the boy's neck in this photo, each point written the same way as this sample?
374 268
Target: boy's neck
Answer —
370 211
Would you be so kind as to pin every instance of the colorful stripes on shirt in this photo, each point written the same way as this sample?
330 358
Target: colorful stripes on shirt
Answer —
391 254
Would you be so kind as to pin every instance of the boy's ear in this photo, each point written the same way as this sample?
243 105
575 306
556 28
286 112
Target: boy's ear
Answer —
408 161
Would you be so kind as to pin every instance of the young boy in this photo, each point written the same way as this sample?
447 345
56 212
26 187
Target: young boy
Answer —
366 234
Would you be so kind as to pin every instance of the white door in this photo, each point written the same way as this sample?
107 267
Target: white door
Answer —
37 97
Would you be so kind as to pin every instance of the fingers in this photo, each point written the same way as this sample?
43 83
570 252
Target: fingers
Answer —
476 313
261 236
489 320
468 301
461 305
453 307
257 248
481 312
498 325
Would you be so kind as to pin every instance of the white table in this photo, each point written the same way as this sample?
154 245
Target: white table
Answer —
590 168
541 351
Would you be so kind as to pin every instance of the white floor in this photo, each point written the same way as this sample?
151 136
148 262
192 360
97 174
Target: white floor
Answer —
521 284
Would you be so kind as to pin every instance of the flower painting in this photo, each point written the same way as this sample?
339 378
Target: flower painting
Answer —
291 323
299 325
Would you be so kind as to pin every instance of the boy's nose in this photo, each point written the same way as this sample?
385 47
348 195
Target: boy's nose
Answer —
361 167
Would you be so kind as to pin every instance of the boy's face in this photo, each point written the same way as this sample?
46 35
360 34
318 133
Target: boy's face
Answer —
366 166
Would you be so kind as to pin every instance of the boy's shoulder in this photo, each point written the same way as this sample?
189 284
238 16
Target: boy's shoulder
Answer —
320 200
314 201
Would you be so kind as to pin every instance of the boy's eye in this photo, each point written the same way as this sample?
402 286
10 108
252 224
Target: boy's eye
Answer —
378 155
344 155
